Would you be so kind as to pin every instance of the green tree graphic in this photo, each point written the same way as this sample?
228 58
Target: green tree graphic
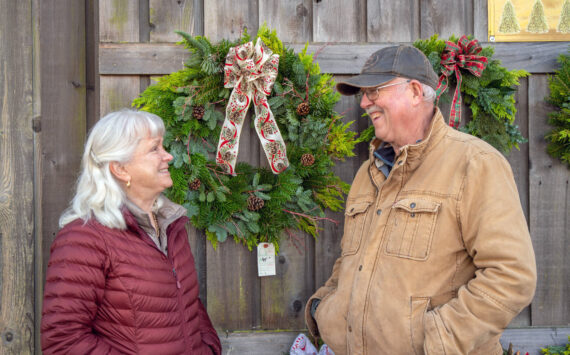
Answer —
564 22
537 23
509 23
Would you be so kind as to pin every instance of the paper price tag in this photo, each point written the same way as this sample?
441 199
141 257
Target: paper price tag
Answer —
266 259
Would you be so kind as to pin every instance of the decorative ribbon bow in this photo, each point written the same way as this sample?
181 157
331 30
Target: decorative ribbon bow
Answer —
251 71
456 56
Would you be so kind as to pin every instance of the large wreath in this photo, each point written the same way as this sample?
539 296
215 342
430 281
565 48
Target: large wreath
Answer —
252 204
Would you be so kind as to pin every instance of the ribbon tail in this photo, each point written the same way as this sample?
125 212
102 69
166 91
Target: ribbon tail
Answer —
455 114
272 141
228 144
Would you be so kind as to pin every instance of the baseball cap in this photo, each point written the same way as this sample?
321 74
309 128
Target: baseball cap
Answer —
390 63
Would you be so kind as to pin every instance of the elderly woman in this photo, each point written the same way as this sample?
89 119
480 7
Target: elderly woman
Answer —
121 276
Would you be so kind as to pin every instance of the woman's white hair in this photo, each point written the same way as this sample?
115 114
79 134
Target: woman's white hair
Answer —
113 139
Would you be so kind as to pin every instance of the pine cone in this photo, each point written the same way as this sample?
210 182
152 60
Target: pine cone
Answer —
195 185
198 112
303 109
254 203
307 159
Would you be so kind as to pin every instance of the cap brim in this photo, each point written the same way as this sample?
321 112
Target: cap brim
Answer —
354 84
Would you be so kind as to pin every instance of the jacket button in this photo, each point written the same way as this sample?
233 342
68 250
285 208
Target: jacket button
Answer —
360 268
413 205
412 214
349 328
379 212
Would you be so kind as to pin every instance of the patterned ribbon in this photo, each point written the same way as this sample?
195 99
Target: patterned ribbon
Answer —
251 71
456 56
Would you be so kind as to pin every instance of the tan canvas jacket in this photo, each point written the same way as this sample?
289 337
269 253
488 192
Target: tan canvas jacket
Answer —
436 259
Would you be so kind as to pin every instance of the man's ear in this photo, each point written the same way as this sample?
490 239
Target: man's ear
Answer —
417 92
119 171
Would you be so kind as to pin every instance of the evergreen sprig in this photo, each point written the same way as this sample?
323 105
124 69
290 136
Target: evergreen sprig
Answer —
559 137
490 97
295 199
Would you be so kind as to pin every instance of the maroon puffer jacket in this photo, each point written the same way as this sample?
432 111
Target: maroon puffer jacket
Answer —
110 291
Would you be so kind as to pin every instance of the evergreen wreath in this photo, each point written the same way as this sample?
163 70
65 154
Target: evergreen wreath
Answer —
255 205
559 84
490 96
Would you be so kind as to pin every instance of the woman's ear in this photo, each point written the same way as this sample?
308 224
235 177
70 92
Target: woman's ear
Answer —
119 171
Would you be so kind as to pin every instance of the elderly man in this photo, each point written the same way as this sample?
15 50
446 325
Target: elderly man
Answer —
436 255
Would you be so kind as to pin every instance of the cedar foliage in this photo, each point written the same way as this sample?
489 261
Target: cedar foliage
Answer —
294 199
559 137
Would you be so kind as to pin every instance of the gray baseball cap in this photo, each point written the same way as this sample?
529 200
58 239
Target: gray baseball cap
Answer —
390 63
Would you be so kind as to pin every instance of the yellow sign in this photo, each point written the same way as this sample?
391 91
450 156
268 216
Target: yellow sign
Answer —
529 20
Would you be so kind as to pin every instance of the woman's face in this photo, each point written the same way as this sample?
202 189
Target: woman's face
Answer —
148 170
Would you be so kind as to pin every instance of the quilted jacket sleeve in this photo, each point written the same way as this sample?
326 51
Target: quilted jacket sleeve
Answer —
74 287
495 234
209 334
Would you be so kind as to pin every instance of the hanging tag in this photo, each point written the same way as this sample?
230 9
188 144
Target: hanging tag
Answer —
266 259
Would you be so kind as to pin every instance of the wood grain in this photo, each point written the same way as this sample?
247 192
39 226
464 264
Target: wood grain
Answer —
118 21
446 18
228 19
549 195
339 21
17 107
291 19
175 15
393 21
151 59
118 91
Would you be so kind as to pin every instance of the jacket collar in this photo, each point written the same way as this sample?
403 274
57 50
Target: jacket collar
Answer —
166 212
411 154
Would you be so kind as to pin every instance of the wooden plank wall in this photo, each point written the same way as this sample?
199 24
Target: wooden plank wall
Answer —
236 298
19 105
96 56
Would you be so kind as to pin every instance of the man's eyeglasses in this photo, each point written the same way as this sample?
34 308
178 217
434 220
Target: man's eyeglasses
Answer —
372 94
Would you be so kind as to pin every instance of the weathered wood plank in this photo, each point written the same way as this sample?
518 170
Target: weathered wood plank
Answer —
227 18
283 296
339 21
446 17
480 20
150 59
175 15
63 110
530 339
393 21
17 64
92 61
118 21
233 287
519 164
549 215
117 92
291 19
197 240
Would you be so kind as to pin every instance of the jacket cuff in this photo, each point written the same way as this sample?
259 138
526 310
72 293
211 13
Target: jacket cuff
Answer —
309 320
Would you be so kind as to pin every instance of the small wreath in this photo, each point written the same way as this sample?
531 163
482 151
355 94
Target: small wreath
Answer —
490 96
252 204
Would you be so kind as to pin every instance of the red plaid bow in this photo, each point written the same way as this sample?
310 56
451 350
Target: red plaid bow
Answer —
456 56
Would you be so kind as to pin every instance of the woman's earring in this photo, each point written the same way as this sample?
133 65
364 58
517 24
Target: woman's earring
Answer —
128 183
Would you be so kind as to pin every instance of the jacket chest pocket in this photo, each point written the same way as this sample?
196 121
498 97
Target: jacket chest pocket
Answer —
354 223
411 227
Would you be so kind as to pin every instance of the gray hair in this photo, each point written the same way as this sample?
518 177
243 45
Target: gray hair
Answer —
113 139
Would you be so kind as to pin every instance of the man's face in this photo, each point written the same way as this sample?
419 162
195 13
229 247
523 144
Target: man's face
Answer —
389 112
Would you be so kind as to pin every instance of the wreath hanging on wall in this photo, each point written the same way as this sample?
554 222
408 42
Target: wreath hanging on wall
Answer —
489 94
297 126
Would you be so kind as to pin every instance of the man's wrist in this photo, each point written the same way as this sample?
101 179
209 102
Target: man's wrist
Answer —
314 305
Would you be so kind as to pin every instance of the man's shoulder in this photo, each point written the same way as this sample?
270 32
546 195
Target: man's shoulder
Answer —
466 145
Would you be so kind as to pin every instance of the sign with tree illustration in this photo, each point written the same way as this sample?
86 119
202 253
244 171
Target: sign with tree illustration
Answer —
529 20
